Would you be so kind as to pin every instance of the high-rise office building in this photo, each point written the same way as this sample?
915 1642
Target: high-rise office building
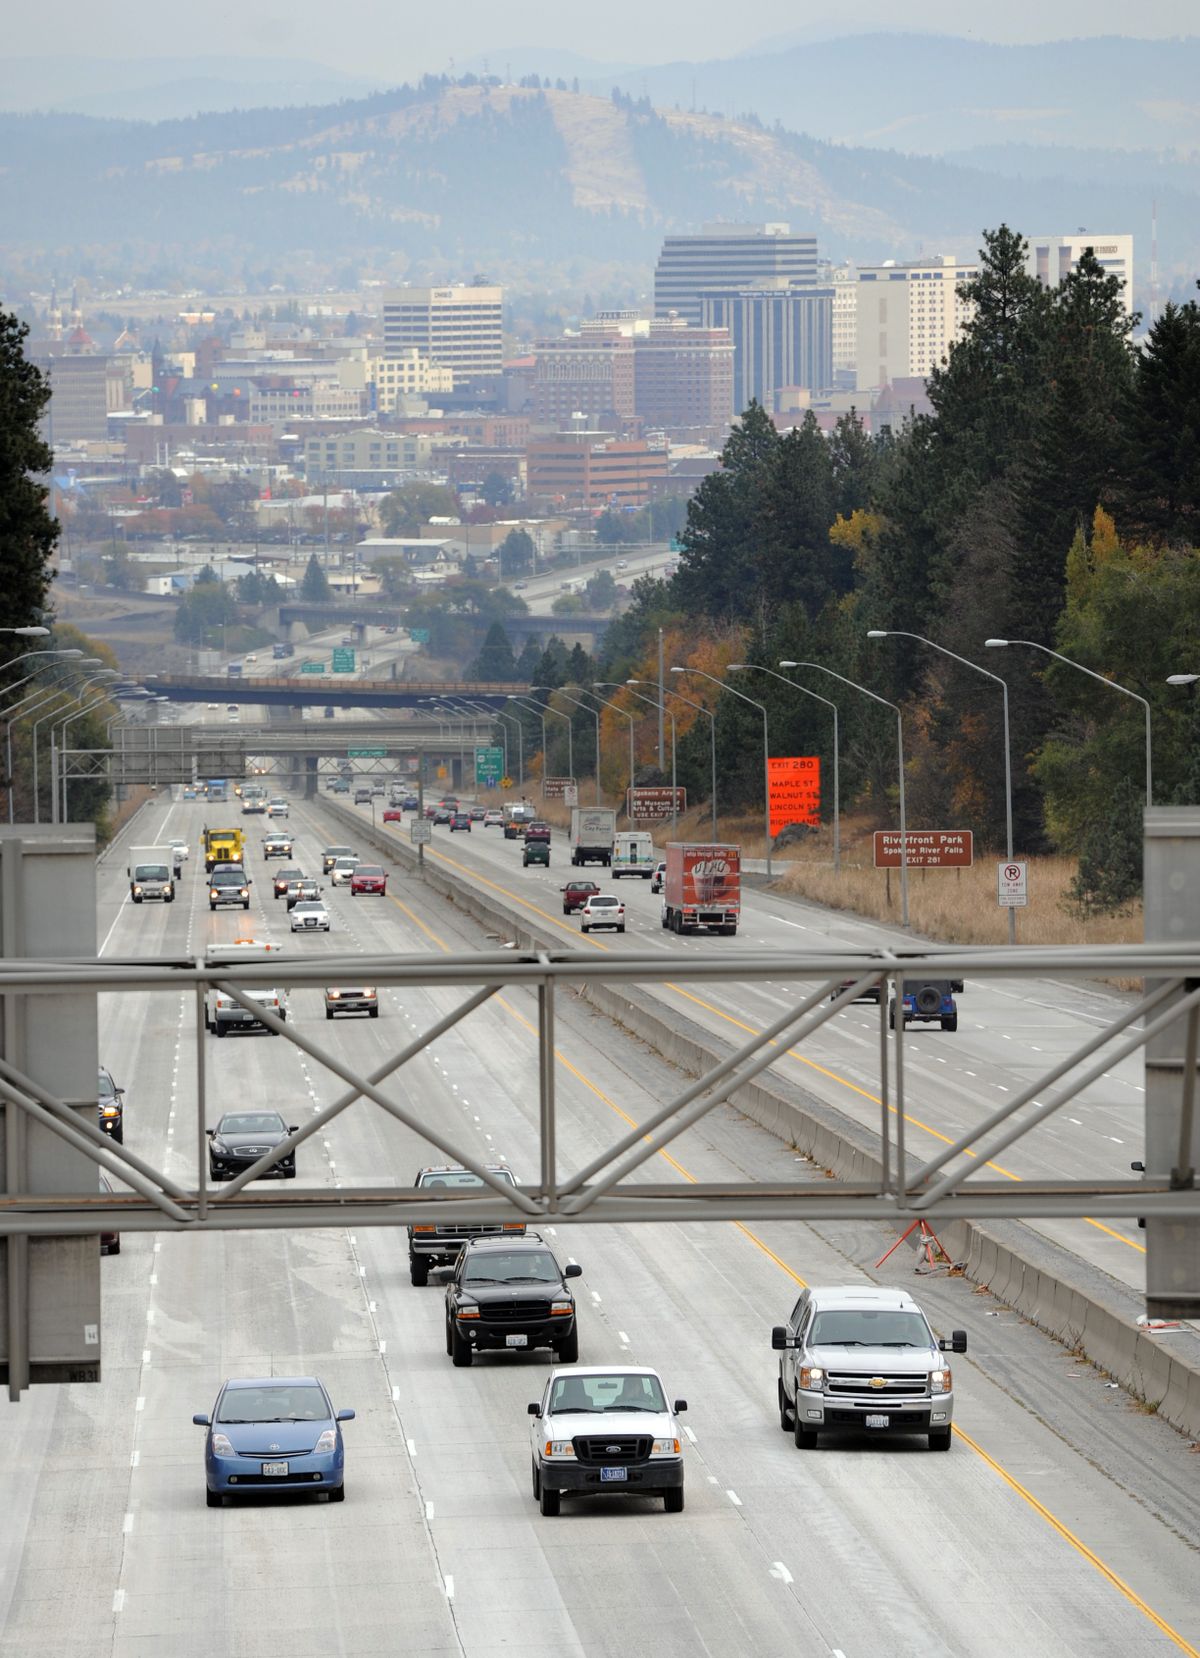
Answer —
782 339
729 257
589 373
684 376
459 328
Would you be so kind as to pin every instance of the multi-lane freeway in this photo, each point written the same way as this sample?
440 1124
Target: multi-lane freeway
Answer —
1066 1521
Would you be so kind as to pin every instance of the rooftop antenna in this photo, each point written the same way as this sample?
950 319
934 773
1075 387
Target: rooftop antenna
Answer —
1153 262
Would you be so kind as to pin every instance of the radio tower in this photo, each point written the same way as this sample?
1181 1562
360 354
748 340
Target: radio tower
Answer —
1153 262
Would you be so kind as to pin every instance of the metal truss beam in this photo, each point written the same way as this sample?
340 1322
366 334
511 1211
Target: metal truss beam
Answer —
608 1188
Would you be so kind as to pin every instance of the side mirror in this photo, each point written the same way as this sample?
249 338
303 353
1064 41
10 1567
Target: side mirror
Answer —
119 1092
293 1128
779 1338
956 1344
534 1409
210 1132
679 1406
1139 1167
345 1416
573 1271
201 1421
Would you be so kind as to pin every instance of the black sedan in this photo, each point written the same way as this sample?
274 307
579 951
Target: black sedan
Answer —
510 1294
283 878
242 1137
460 820
112 1107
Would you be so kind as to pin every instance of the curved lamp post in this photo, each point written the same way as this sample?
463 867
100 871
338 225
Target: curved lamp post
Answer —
721 686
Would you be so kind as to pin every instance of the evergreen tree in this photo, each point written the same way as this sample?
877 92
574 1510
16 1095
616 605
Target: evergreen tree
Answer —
314 589
28 533
1159 495
720 541
495 664
794 558
525 671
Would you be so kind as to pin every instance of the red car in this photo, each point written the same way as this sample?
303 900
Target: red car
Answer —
368 878
393 814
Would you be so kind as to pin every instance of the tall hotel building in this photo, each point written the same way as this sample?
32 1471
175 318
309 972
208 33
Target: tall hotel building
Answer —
458 328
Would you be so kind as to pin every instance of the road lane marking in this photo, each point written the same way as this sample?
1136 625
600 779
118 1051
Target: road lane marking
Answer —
780 1571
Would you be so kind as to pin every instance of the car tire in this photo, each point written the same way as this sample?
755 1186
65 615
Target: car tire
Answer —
568 1348
373 1012
785 1415
460 1349
337 1493
941 1439
583 926
677 923
621 928
213 1499
418 1272
673 1500
329 1013
135 898
805 1438
118 1134
548 1501
221 1030
246 905
951 1023
449 1349
536 1479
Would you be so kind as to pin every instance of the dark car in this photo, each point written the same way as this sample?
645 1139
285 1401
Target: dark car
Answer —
226 887
476 814
535 852
926 1001
303 891
112 1108
576 894
511 1294
283 879
242 1137
437 1244
537 831
431 812
410 803
460 820
273 1433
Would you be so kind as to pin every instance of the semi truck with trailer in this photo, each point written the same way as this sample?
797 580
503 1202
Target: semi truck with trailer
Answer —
702 887
593 829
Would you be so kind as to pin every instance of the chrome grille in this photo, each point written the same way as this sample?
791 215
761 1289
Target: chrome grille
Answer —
897 1384
599 1450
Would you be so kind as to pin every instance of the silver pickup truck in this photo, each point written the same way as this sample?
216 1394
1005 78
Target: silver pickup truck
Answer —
862 1360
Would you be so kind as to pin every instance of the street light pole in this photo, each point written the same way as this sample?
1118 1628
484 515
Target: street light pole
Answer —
604 685
88 685
804 691
596 716
1112 685
900 633
712 744
662 709
883 701
549 690
527 703
721 685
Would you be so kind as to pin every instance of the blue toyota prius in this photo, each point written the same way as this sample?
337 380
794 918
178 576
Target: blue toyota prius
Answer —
273 1433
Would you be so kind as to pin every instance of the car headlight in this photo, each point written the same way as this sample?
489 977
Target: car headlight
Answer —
333 995
665 1448
559 1448
136 889
110 1111
467 1312
219 1147
214 893
369 991
327 1442
559 1309
939 1380
811 1375
244 892
221 1446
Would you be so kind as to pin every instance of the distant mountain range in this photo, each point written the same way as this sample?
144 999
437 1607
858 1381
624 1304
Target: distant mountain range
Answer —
161 89
447 179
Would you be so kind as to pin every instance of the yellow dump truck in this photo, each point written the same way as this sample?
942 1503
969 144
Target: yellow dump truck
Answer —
223 846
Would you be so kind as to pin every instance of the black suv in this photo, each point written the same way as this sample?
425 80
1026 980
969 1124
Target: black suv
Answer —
511 1294
926 1001
112 1107
439 1245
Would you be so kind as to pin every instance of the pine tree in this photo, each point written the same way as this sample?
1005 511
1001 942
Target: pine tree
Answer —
1159 495
495 664
314 589
720 539
28 533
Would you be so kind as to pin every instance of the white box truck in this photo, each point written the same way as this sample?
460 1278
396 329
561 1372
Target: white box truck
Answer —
593 829
633 854
149 872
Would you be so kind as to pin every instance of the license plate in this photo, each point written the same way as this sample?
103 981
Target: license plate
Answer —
877 1421
278 1468
609 1474
516 1341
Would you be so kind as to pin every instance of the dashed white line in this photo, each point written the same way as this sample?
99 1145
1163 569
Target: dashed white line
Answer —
127 1524
734 1498
622 1338
141 1404
780 1571
448 1586
429 1511
118 1601
395 1394
412 1447
689 1433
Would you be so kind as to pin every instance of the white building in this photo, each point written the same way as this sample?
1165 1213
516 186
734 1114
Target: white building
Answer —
907 318
407 374
843 280
459 327
1051 258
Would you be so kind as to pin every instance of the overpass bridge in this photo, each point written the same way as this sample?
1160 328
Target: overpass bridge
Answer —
357 615
325 691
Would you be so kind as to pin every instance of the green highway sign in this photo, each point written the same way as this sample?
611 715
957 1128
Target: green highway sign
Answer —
343 660
489 767
312 667
366 754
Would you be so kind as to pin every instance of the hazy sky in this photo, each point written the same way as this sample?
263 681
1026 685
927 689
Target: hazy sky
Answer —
369 37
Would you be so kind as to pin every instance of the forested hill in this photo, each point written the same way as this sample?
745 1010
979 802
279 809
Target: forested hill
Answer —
517 180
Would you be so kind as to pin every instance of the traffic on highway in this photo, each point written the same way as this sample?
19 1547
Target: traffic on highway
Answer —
511 1417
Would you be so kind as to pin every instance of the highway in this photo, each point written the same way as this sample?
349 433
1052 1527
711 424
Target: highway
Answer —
1065 1521
1010 1030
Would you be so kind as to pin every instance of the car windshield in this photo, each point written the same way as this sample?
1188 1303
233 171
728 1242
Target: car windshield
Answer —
368 869
298 1402
312 908
252 1122
107 1088
222 879
461 1179
613 1391
150 872
521 1267
602 903
869 1327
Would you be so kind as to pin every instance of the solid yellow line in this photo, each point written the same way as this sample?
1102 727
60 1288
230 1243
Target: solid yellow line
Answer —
1023 1492
1077 1543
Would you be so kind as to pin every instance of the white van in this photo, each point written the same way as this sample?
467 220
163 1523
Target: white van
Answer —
633 854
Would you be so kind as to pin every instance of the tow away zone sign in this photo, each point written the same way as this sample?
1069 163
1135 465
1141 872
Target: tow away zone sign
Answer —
1012 885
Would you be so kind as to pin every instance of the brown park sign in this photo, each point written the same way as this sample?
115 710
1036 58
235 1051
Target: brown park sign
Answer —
554 788
654 805
927 848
